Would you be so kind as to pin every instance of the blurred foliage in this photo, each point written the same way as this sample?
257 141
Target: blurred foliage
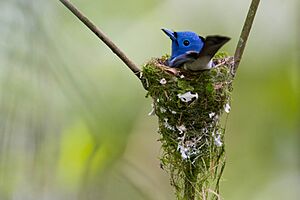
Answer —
73 118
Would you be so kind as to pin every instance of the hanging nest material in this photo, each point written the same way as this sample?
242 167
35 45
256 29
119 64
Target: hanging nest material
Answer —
189 106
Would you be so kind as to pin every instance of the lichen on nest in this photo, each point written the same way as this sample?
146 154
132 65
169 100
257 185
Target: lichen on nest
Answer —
189 106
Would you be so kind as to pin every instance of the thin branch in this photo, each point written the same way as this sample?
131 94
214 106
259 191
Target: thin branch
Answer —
244 34
101 35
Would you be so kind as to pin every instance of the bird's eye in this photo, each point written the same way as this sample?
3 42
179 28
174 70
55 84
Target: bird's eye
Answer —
186 42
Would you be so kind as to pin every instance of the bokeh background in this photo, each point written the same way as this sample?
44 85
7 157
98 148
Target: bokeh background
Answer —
73 118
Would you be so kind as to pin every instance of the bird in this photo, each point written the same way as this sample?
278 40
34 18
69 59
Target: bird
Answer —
191 51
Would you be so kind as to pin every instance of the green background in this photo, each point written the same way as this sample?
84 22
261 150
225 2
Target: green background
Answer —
74 122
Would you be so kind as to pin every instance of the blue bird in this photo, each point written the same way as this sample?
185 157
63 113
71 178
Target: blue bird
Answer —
192 51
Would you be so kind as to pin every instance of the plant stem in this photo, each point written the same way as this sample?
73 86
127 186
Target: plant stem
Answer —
244 34
190 182
102 36
189 190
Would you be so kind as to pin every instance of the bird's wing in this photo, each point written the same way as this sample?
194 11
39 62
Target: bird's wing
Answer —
189 56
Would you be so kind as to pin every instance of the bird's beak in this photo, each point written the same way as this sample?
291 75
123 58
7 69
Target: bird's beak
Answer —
169 33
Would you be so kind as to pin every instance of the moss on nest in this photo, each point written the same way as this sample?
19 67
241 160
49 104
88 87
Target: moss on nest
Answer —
189 106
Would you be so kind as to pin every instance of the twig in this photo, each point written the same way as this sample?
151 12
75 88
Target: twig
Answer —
101 35
244 34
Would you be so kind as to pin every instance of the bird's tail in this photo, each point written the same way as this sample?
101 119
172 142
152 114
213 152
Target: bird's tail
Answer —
211 45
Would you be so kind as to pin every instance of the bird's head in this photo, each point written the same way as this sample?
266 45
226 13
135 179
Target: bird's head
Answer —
183 42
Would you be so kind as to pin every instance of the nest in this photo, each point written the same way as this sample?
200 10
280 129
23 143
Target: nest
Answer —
189 106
